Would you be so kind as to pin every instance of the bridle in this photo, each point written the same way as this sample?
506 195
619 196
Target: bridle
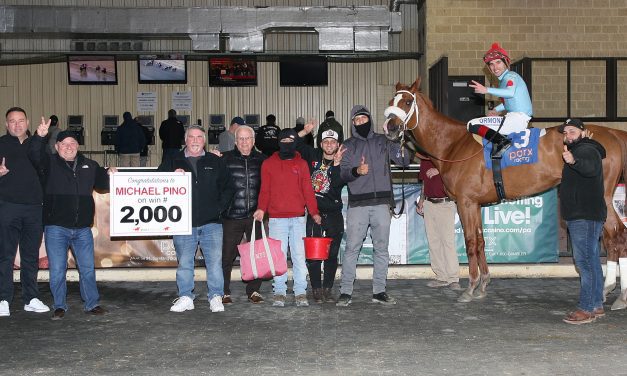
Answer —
405 117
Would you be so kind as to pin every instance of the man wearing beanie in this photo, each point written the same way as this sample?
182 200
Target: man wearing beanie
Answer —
332 124
227 138
365 167
512 90
285 193
267 139
69 181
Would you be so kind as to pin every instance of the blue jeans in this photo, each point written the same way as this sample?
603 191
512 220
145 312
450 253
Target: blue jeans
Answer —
584 236
290 231
209 237
81 241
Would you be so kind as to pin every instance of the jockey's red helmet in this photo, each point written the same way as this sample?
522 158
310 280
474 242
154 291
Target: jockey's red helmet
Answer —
496 52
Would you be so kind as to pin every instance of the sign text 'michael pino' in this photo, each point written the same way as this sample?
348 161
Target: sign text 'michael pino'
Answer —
150 191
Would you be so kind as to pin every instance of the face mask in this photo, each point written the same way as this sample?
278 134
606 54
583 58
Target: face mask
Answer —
287 150
363 129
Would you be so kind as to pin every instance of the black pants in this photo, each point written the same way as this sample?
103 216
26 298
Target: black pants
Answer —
21 225
333 225
232 233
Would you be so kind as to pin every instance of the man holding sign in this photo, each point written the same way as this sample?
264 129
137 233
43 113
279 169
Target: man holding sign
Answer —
69 179
212 191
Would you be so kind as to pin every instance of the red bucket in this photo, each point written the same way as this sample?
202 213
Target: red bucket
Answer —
317 248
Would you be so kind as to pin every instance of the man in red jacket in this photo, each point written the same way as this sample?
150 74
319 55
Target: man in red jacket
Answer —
285 192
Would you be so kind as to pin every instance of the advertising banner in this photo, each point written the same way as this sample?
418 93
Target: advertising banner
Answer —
522 231
150 204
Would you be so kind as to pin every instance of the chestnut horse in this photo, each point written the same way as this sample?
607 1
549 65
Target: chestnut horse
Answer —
459 158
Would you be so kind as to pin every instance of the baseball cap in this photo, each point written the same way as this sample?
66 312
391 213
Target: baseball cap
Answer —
330 133
65 134
238 120
577 123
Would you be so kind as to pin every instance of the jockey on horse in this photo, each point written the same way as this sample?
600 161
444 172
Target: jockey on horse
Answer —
515 97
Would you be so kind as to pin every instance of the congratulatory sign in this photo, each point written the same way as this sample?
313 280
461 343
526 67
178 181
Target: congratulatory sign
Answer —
150 204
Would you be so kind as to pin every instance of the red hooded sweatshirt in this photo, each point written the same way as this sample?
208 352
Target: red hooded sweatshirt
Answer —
286 188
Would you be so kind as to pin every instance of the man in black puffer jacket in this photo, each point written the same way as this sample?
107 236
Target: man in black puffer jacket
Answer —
69 180
244 162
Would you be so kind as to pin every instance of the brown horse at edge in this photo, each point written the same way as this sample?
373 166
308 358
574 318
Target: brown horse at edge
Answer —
462 167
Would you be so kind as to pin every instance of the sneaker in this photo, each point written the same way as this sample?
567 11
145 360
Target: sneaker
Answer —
36 305
344 300
436 283
58 314
215 304
383 298
301 301
579 317
256 298
182 303
279 301
226 299
327 295
4 308
317 295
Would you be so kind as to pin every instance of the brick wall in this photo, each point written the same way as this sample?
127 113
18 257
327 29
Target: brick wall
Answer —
464 29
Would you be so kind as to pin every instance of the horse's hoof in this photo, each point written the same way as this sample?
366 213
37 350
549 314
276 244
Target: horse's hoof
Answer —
478 294
465 297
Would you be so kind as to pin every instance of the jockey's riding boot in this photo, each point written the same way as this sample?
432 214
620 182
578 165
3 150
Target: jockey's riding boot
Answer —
500 144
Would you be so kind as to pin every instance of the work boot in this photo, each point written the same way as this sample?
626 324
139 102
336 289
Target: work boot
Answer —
317 295
327 295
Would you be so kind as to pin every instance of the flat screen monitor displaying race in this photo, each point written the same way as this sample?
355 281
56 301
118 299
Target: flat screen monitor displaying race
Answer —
228 71
92 70
162 69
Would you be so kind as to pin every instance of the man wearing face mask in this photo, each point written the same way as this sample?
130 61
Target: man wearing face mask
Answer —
365 167
285 192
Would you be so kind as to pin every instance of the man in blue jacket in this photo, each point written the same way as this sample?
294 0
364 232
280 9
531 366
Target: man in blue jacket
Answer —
129 142
212 191
365 167
69 180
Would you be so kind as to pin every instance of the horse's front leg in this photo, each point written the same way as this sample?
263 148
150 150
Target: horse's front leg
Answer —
468 214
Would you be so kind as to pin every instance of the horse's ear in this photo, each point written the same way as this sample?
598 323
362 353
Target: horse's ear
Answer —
416 85
398 86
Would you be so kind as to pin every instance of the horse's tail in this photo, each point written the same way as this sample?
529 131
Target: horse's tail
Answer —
622 138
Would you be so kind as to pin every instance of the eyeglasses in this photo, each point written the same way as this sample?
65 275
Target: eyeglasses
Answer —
244 138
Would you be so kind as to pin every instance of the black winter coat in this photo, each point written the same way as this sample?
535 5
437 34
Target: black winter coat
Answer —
21 185
582 188
212 186
68 200
246 174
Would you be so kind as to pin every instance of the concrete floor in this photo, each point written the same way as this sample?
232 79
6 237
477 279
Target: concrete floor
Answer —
516 330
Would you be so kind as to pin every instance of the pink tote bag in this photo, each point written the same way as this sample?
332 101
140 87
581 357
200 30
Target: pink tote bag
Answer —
262 258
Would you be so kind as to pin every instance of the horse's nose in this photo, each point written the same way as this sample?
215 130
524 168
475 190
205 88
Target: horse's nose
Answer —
392 116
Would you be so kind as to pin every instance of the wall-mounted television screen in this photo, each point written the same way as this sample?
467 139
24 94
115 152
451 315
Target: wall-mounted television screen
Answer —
310 71
228 71
162 69
92 70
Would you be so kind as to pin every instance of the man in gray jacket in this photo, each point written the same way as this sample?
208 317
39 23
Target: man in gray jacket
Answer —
365 167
